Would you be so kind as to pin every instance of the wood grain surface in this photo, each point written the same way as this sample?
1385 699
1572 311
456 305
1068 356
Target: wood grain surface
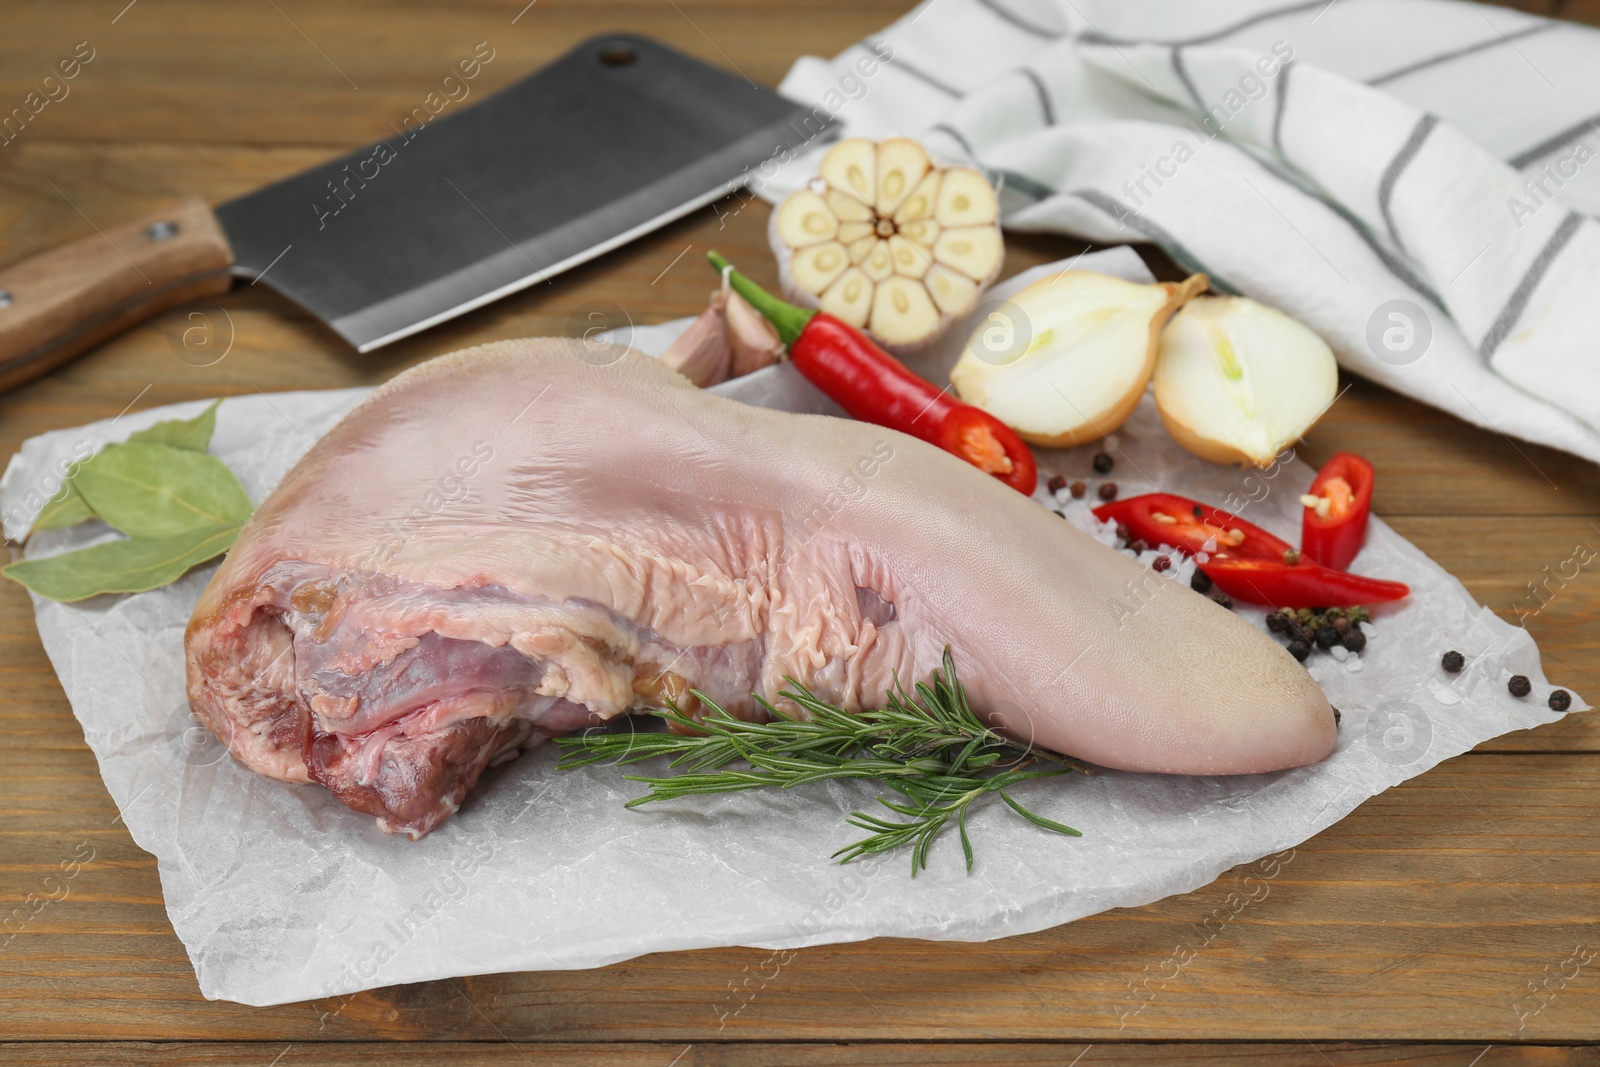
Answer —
1435 925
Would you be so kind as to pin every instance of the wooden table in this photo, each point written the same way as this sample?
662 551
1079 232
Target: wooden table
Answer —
1412 932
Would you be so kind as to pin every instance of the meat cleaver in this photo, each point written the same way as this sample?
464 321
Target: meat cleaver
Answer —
616 138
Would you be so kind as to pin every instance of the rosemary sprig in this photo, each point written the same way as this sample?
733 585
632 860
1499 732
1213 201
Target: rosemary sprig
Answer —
929 748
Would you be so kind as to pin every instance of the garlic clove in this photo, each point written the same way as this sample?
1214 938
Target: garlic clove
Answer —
966 199
923 231
953 292
849 298
851 232
752 338
902 311
702 353
805 219
901 164
920 202
1071 358
973 250
909 260
1236 381
878 264
851 166
861 249
817 266
847 208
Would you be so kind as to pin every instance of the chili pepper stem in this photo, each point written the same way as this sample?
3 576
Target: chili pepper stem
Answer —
788 319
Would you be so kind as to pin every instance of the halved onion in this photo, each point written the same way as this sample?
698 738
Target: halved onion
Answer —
1236 381
1067 361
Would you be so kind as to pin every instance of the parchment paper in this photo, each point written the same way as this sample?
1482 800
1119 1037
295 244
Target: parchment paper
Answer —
279 893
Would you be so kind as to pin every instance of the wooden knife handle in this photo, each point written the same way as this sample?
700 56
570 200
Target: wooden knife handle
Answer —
56 304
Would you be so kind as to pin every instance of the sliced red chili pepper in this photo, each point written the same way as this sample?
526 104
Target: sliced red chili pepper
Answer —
875 387
1187 525
1298 585
1333 528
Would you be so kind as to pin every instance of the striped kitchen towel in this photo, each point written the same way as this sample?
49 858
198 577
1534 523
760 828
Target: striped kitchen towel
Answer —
1414 179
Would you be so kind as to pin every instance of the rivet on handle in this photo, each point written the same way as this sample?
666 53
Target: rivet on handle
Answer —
161 231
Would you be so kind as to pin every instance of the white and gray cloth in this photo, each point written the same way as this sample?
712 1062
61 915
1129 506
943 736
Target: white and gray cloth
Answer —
1414 179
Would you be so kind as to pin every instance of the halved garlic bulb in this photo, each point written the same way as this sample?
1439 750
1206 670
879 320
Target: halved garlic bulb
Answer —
1236 381
888 242
1066 360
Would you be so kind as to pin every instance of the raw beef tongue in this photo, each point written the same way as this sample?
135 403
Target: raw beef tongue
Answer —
513 542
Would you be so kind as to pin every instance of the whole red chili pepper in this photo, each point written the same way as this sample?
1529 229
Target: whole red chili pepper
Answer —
1334 525
875 387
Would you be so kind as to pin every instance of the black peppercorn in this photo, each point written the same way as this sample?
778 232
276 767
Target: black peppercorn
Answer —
1056 483
1299 650
1453 661
1108 490
1519 685
1560 700
1078 489
1200 583
1327 637
1103 463
1277 622
1355 640
1224 599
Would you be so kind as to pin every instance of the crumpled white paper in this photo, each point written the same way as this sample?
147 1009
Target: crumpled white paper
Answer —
280 894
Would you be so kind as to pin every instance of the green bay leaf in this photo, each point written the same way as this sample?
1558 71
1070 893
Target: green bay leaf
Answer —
132 565
66 508
193 434
155 490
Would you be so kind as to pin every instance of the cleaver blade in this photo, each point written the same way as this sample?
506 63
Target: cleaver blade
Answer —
620 136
